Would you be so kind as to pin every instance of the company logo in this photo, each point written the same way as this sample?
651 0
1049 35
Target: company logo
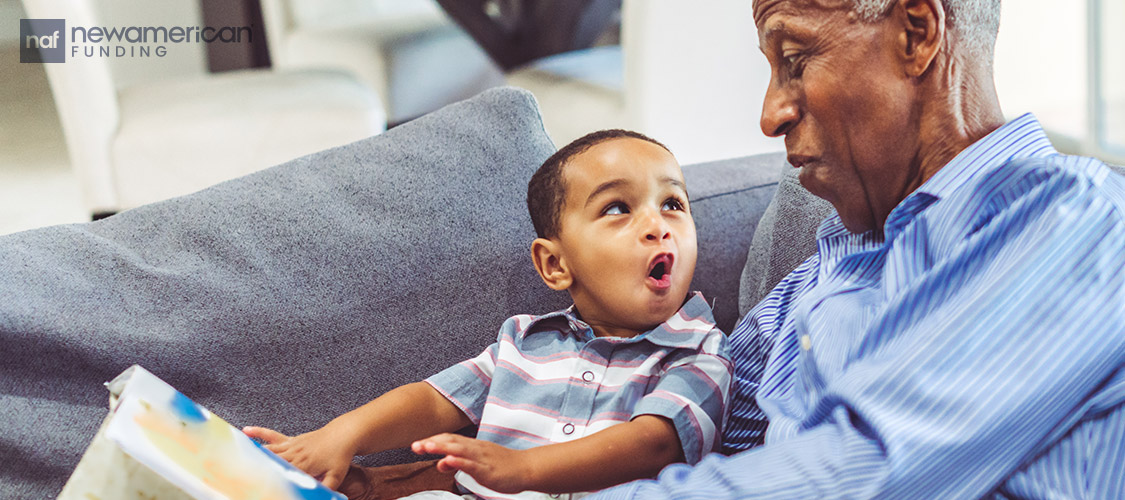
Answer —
42 40
45 40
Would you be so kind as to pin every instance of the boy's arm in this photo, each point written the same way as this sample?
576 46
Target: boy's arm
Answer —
679 420
632 450
392 420
397 418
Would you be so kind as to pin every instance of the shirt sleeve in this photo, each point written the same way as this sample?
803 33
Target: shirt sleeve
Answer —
750 344
983 363
692 393
466 384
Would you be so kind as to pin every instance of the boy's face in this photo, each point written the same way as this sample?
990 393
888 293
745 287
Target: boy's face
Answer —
626 235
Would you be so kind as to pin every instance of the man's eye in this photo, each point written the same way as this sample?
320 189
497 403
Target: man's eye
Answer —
672 204
615 209
794 63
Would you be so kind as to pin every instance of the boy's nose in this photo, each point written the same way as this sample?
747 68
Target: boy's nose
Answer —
657 229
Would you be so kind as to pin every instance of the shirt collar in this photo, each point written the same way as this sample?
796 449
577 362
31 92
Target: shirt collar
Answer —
1022 137
685 329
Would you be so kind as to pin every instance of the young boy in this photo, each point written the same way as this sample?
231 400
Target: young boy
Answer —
629 379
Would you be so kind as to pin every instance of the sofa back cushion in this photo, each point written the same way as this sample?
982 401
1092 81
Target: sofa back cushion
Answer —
783 239
282 298
728 198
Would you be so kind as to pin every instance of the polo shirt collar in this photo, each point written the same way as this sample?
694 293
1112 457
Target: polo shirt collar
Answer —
685 329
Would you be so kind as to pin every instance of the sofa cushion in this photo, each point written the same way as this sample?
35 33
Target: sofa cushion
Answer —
783 239
727 199
282 298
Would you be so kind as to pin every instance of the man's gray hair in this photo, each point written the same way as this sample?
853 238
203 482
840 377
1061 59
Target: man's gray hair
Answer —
973 23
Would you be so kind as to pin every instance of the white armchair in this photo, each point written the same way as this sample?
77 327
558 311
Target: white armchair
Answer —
134 138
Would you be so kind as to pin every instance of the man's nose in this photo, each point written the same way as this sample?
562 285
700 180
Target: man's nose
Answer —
779 111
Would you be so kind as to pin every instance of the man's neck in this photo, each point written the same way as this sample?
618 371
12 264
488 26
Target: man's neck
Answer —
963 110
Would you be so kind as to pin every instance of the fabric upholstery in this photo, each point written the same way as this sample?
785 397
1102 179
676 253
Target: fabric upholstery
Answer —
289 296
728 197
282 298
784 238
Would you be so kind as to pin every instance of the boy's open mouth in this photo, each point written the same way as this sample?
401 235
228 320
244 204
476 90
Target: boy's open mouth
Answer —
660 271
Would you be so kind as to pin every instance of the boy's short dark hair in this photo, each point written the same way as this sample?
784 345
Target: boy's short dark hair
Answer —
546 192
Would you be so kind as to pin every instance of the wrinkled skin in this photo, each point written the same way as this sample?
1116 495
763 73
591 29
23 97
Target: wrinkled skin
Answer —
869 110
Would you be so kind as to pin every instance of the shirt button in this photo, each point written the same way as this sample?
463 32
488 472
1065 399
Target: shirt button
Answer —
568 429
588 376
806 342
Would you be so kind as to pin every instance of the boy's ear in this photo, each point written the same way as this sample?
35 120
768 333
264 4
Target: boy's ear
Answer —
548 260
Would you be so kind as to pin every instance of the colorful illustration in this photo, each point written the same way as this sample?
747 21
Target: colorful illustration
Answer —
199 452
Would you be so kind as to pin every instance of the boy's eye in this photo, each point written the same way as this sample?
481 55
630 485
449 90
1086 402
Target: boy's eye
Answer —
672 204
615 208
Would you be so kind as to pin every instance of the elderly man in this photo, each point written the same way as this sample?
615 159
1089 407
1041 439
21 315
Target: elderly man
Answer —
961 330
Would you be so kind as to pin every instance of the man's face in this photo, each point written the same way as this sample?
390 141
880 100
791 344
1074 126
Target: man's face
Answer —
626 234
839 95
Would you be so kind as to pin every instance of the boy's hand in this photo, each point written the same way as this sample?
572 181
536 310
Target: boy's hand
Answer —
493 466
322 453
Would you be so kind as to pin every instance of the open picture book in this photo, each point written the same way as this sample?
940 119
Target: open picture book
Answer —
185 445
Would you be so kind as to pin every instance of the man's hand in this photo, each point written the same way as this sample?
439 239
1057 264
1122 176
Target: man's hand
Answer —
395 481
493 466
324 453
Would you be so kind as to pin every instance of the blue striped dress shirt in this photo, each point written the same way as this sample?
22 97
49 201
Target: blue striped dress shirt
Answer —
973 349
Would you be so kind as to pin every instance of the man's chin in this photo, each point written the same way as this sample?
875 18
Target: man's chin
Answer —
856 224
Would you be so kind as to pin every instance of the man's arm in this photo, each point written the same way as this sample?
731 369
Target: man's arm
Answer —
978 367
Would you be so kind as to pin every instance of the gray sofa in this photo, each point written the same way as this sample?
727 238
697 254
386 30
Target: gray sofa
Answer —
292 295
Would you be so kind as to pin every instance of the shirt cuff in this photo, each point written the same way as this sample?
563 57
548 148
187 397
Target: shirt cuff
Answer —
627 490
462 388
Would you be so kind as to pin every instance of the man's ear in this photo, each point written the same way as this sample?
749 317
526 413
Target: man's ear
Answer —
924 34
549 262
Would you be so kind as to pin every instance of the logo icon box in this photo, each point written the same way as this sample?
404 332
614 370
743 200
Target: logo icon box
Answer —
42 40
